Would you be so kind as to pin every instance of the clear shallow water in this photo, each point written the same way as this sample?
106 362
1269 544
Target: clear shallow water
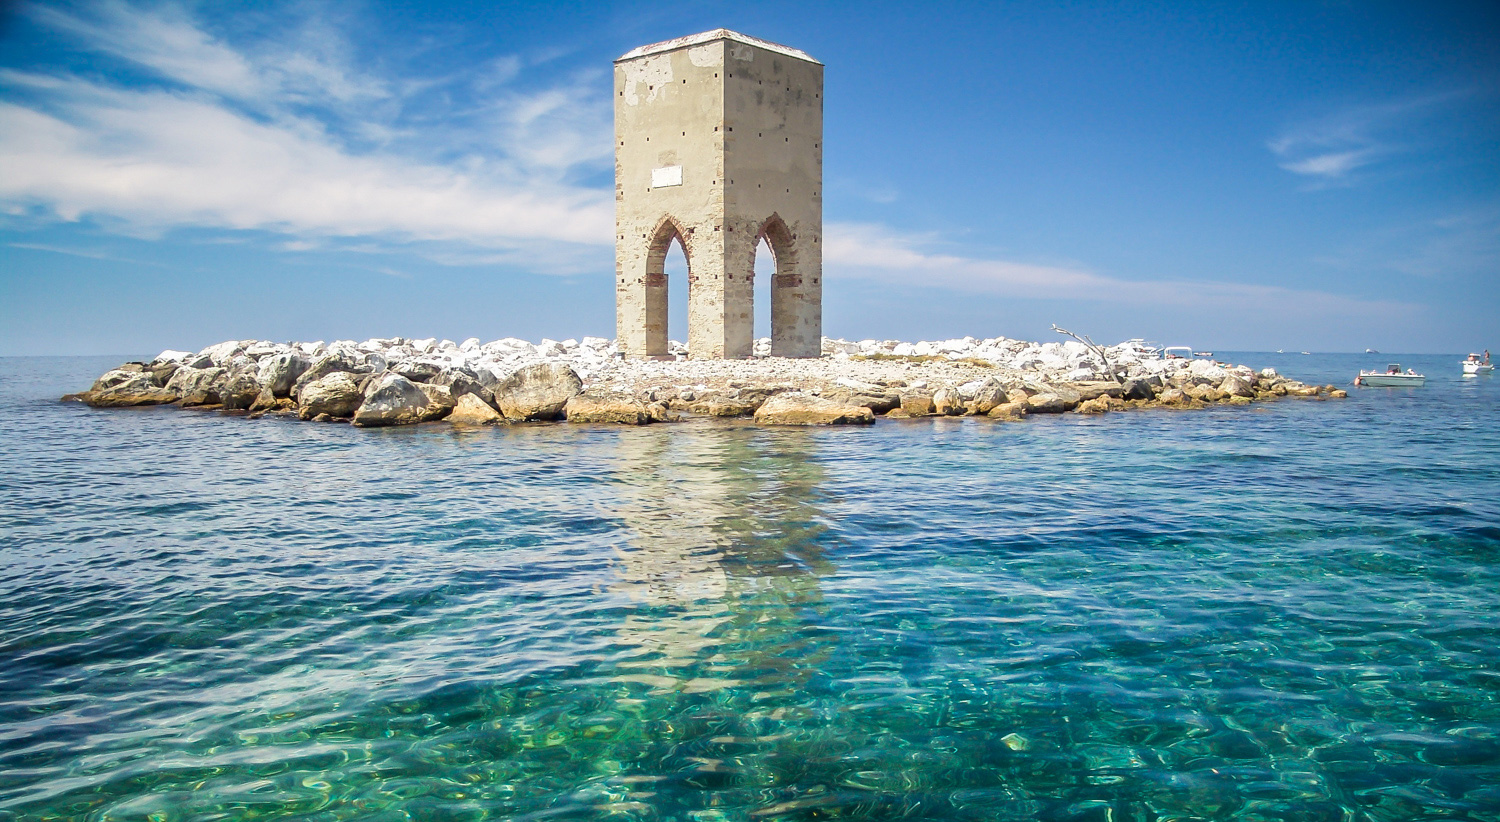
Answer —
1281 612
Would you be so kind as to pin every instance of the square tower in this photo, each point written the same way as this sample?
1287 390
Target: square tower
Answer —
718 144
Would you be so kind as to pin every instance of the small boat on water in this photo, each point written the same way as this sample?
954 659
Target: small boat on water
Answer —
1474 365
1391 377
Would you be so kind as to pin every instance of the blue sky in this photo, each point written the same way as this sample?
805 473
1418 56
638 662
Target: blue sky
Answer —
1317 176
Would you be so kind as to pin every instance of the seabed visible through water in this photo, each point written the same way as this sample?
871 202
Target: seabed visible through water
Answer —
1285 611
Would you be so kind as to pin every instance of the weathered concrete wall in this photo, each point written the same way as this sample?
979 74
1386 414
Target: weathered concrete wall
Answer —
718 142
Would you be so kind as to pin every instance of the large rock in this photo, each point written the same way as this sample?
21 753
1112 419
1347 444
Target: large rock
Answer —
223 353
1070 396
537 392
418 370
337 361
1097 388
1236 386
240 390
946 401
614 411
440 401
917 404
800 409
279 371
1009 411
139 389
461 380
877 398
1046 403
720 405
471 410
116 376
392 400
1101 404
989 395
336 395
1137 389
197 386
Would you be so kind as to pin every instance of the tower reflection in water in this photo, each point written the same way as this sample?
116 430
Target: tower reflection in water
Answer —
721 564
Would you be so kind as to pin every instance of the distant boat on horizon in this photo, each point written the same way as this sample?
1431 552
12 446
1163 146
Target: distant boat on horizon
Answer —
1371 351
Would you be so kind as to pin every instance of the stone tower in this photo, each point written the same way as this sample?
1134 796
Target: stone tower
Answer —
719 143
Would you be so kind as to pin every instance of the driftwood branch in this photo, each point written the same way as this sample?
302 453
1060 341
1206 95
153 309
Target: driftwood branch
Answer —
1109 367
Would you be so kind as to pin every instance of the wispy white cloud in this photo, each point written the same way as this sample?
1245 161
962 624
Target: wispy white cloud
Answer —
868 251
1332 148
289 137
86 253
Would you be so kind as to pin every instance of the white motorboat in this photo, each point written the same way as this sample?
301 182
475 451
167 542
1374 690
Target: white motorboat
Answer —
1391 377
1474 365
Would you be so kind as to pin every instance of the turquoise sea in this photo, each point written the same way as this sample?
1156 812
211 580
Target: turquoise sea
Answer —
1284 612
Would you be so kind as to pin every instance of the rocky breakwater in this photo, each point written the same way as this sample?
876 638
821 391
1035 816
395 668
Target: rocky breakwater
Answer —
397 381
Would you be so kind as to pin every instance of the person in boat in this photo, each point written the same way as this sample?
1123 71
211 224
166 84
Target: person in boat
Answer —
1411 371
1395 369
1486 356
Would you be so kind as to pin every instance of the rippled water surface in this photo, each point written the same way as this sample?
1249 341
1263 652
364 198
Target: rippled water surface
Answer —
1287 611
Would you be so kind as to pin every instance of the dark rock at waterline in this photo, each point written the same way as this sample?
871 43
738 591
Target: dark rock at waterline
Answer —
1137 389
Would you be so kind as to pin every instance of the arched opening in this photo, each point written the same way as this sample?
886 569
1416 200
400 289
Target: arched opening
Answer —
676 269
783 287
765 272
663 268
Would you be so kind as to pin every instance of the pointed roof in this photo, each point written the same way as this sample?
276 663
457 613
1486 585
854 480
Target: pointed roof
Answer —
709 37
